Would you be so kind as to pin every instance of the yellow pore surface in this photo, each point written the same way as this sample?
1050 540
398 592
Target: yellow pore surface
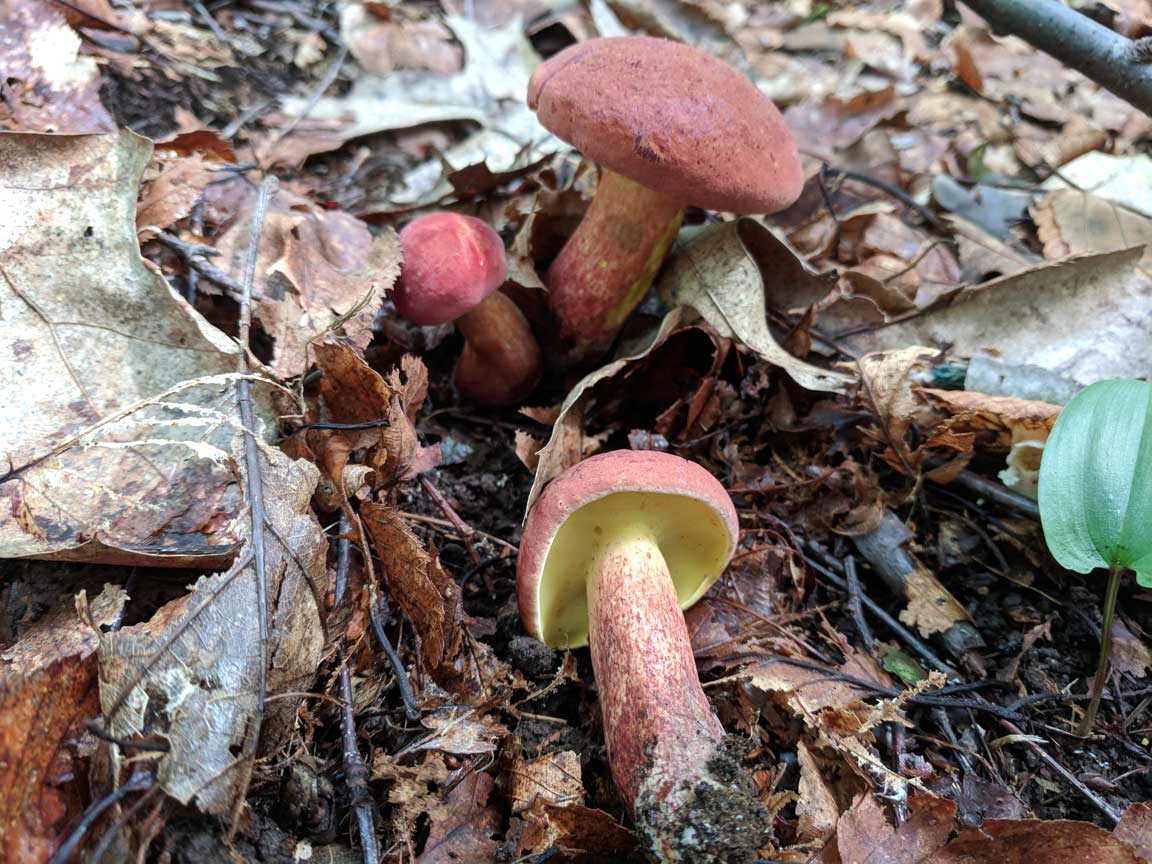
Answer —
689 534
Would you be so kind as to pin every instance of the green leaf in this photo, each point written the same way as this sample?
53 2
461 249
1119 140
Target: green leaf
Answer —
1096 480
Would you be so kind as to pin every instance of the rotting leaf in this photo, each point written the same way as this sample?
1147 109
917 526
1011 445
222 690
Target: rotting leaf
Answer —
191 674
48 688
716 273
428 595
864 835
462 827
121 394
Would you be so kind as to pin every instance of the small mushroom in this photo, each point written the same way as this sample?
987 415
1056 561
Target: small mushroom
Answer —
671 126
612 551
453 268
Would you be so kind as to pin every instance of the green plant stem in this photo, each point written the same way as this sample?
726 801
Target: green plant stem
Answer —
1085 728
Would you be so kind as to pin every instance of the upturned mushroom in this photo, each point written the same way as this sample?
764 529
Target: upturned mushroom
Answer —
670 126
453 268
612 551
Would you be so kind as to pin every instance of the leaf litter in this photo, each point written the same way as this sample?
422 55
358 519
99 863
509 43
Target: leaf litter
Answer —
970 207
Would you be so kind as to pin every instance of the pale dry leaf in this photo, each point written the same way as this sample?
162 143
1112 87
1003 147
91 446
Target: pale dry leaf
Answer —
717 274
49 85
553 777
48 688
120 398
191 673
817 809
381 45
1070 222
461 735
1060 315
1131 654
488 91
1125 180
591 835
1135 829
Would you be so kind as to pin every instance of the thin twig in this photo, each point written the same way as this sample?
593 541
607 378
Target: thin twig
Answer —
899 194
329 78
95 810
196 257
254 480
1107 809
355 771
466 531
379 618
855 605
906 635
998 493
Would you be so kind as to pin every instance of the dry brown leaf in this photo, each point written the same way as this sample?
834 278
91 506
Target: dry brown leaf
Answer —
1130 652
591 835
528 449
719 273
865 837
1034 841
122 411
49 85
170 189
1135 829
807 690
1070 222
553 777
828 123
462 827
429 597
316 270
48 688
817 810
1079 333
1008 419
380 45
191 673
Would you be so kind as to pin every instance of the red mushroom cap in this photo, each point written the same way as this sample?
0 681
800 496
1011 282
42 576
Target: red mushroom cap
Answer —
697 536
451 263
672 118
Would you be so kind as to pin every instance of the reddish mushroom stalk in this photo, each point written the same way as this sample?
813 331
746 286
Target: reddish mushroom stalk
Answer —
501 360
673 126
453 268
609 263
658 725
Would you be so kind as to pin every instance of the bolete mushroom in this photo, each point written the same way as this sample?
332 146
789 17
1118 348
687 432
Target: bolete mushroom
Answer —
453 268
671 126
612 551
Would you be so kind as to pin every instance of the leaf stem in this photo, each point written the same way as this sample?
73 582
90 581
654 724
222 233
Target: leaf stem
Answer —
1085 728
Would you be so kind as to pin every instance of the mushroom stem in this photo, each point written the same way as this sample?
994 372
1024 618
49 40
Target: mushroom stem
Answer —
658 725
501 360
607 266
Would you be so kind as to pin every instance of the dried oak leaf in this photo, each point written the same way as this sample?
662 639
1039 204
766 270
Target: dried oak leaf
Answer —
428 595
48 688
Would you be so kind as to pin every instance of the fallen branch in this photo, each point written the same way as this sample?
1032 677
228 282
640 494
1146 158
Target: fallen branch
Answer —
1108 58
